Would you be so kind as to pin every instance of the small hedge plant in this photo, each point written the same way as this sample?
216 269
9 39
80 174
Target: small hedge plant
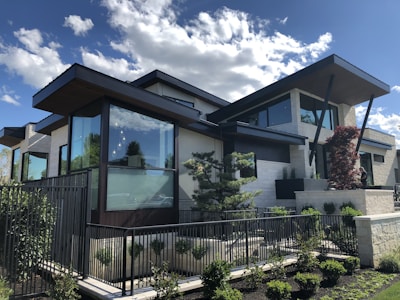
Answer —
348 213
255 277
199 251
215 276
227 293
389 263
135 249
104 255
332 270
329 208
5 291
182 246
308 282
351 264
157 246
278 290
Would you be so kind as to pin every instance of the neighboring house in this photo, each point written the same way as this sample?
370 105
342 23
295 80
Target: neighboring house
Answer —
135 136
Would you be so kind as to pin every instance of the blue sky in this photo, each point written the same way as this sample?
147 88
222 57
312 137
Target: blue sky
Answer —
229 48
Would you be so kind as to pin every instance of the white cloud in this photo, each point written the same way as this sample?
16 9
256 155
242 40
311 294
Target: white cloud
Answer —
396 88
36 63
226 52
10 100
389 123
78 25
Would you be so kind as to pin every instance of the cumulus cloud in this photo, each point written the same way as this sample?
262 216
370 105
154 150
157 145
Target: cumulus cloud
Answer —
79 26
396 88
226 52
35 62
389 123
9 96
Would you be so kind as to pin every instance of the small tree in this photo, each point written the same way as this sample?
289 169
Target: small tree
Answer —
219 189
343 157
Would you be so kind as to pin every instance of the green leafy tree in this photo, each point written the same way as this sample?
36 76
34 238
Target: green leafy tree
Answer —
343 157
219 186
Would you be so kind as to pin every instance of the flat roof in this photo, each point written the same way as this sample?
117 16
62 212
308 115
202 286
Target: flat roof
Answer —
351 86
11 136
50 123
79 86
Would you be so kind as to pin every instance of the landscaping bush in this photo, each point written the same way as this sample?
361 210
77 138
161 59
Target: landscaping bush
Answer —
215 276
157 246
332 270
199 251
278 211
64 287
389 263
351 264
165 284
182 246
348 213
5 291
104 255
329 208
278 290
306 260
344 238
308 282
227 293
347 204
313 221
255 277
135 249
277 270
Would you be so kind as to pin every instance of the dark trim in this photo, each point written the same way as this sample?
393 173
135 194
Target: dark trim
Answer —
267 134
376 144
51 123
371 100
159 76
78 86
353 86
11 136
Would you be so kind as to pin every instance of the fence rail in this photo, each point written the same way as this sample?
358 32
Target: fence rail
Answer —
122 257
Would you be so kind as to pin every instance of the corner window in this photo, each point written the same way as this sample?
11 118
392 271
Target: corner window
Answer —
16 161
274 113
62 161
85 138
34 166
141 161
311 112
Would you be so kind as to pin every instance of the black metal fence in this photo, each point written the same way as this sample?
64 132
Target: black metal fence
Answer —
42 229
122 257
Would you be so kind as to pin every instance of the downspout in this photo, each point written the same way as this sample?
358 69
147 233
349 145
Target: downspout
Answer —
321 119
371 100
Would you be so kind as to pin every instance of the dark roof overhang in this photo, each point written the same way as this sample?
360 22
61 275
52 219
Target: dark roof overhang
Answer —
376 144
79 86
159 76
266 134
11 136
351 86
51 123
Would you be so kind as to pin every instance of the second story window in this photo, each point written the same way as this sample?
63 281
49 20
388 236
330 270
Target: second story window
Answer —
311 111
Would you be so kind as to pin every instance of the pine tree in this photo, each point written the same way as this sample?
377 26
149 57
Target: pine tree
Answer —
219 187
343 157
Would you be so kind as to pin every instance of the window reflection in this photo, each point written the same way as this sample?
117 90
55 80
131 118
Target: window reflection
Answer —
34 166
311 111
15 164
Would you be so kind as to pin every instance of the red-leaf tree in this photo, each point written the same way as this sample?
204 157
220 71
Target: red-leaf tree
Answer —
343 157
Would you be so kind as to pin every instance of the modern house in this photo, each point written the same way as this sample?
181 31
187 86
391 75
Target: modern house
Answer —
135 136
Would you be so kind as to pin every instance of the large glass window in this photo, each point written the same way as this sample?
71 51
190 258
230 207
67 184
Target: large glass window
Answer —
16 161
62 162
85 138
141 159
274 113
34 166
366 162
311 111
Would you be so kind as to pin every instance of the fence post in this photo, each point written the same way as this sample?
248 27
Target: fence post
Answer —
246 228
124 248
86 238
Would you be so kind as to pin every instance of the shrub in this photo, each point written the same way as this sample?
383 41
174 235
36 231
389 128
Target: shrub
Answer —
332 270
215 276
157 246
5 291
182 246
351 264
347 204
277 270
278 211
306 260
165 284
64 287
308 282
313 220
255 277
104 255
389 263
345 240
329 208
348 213
278 290
199 251
135 249
227 293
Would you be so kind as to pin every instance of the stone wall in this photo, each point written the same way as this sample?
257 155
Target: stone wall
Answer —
369 201
377 235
